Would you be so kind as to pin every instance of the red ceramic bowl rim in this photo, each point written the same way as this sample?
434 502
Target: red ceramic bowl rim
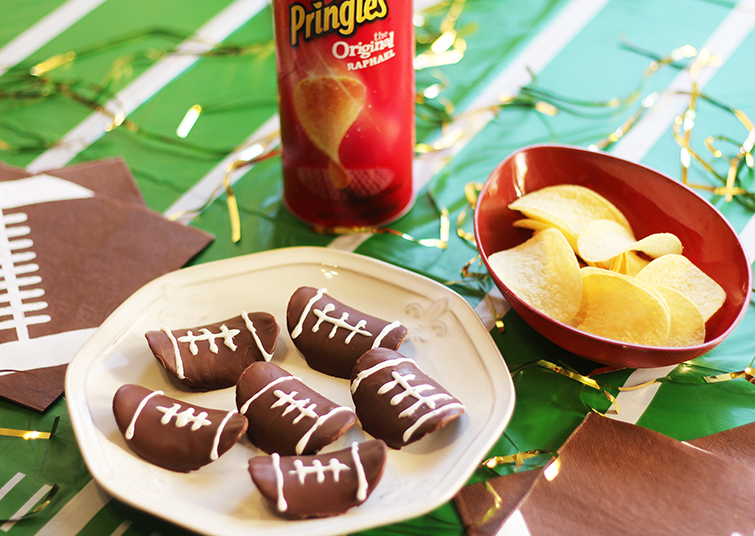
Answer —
707 345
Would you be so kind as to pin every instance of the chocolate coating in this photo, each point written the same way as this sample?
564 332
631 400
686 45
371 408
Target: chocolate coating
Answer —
216 364
397 402
285 415
331 336
171 433
297 488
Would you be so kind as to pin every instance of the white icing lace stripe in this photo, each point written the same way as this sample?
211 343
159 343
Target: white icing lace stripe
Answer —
428 401
383 364
216 442
361 477
176 352
276 459
429 415
250 326
139 408
245 407
302 444
298 329
386 330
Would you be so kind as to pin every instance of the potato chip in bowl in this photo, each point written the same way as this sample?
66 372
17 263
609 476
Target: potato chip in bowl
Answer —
626 216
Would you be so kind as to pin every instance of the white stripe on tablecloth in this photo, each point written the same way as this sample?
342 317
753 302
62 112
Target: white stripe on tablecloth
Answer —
533 58
148 83
209 187
726 38
28 505
121 529
44 31
73 517
572 18
18 477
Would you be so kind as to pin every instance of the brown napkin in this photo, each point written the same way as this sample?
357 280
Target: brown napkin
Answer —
74 244
624 479
477 504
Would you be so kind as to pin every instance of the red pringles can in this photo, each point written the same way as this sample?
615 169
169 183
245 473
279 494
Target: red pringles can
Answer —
346 100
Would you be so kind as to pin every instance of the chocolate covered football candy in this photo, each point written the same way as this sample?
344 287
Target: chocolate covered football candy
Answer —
397 402
331 336
322 485
171 433
215 355
285 415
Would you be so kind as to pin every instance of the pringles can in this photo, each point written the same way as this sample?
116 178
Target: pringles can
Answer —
346 100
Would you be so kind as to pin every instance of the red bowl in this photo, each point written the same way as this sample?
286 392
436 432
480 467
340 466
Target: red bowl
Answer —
652 202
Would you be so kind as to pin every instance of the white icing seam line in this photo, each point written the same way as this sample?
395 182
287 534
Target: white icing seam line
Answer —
359 468
45 31
130 430
375 368
250 326
276 460
245 406
148 84
216 441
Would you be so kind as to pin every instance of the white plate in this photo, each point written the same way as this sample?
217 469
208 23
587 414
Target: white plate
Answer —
445 337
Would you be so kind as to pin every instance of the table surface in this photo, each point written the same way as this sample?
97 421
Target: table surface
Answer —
576 55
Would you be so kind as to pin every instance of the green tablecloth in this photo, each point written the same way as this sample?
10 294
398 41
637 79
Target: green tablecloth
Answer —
579 53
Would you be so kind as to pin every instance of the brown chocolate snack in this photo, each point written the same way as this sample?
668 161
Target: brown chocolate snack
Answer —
397 402
285 415
299 487
215 355
174 434
331 335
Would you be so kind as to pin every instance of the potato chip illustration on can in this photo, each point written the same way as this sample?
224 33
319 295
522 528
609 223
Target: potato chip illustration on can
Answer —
346 100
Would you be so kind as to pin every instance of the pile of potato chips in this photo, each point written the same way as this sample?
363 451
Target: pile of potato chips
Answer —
584 267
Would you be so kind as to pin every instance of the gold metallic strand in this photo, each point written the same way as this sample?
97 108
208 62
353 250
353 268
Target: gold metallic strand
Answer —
471 192
37 509
516 459
54 62
343 230
747 374
497 502
30 434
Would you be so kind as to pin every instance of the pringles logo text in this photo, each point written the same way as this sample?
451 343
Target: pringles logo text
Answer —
344 17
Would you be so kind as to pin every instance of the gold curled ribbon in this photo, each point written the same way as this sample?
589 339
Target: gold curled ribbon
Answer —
572 375
263 149
517 458
30 434
440 243
497 503
37 509
343 230
467 273
471 193
747 374
447 48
